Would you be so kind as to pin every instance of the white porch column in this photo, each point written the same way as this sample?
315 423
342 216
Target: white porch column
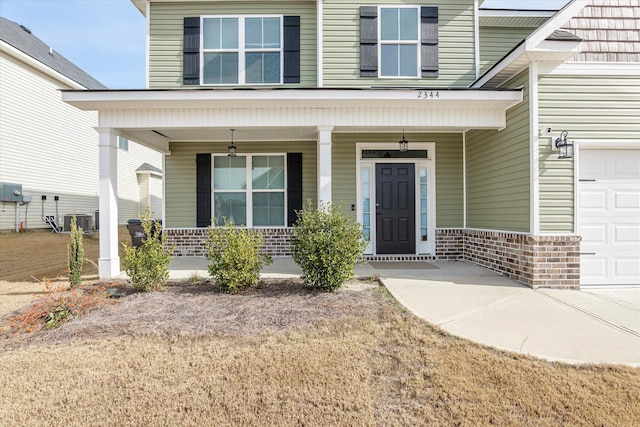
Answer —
324 163
109 261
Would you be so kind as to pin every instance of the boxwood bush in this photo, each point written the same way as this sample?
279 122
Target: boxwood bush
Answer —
327 245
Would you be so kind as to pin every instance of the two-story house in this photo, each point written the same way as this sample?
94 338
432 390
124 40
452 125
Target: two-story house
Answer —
48 149
433 123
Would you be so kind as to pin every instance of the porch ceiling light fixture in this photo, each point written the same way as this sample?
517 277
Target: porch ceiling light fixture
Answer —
232 147
404 144
565 148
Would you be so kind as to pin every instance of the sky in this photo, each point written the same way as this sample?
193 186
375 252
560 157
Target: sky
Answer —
107 38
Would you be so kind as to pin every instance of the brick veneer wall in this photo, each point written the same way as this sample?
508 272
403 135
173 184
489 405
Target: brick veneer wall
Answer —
191 241
537 261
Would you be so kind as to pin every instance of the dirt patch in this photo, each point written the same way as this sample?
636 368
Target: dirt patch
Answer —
40 255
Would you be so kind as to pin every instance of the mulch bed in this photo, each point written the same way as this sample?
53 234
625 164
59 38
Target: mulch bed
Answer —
200 309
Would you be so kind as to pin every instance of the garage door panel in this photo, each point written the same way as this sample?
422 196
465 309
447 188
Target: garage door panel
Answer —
627 234
593 200
594 234
627 199
609 216
627 267
627 165
594 267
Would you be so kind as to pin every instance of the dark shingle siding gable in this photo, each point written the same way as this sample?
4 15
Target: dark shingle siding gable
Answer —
12 34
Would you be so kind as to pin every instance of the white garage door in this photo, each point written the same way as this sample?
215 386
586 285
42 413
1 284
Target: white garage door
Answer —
609 217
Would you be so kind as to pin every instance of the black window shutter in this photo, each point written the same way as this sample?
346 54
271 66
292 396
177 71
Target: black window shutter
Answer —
429 41
294 187
203 190
191 52
291 29
368 41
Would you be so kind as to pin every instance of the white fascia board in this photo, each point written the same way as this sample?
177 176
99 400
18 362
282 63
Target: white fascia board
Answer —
516 13
167 99
553 24
30 61
592 68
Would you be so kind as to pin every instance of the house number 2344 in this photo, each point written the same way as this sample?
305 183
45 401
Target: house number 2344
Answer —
427 94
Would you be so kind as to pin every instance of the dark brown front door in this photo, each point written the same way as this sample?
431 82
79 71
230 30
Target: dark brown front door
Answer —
395 208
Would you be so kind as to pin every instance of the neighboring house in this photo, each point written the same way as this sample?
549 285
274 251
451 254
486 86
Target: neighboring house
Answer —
48 149
315 98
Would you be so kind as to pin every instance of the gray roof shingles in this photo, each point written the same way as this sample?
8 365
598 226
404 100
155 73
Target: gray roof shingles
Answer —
20 38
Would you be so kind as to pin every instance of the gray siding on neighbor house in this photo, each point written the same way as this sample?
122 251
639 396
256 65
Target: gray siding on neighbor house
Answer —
166 35
448 155
498 170
610 30
180 173
341 50
595 108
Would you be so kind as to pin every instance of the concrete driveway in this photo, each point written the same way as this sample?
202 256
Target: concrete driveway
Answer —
587 326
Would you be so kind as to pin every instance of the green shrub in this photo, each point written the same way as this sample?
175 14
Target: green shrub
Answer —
75 256
327 245
148 265
235 256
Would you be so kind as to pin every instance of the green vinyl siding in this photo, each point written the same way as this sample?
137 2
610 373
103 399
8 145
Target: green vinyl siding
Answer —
180 173
341 51
449 191
498 170
496 42
166 34
595 108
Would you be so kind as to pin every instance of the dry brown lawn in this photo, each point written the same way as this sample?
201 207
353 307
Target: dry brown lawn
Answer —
285 355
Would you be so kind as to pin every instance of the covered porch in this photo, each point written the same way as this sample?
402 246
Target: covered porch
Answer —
323 145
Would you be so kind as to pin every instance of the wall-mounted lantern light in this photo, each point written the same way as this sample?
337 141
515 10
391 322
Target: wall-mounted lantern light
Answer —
565 148
232 148
404 144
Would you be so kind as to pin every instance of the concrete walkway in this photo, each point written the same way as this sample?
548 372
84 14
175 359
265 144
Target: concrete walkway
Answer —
587 326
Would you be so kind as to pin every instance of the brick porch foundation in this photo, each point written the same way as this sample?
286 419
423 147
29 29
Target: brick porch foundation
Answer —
537 261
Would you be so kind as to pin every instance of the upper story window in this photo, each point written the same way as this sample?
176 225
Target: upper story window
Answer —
242 50
398 41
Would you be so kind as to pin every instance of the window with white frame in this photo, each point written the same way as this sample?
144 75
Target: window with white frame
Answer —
250 190
399 41
123 143
242 50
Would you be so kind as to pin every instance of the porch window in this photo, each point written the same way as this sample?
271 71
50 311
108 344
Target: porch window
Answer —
399 41
242 50
249 190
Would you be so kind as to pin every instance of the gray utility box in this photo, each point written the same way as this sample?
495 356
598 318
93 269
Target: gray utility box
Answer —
83 221
10 192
